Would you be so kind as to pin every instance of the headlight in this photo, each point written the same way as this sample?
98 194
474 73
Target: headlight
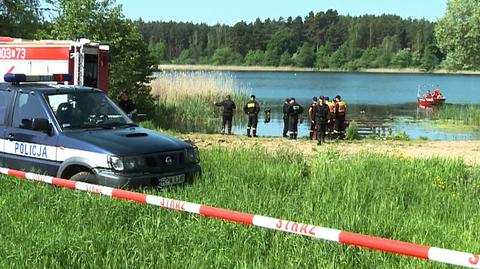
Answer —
133 163
129 164
190 155
116 163
126 163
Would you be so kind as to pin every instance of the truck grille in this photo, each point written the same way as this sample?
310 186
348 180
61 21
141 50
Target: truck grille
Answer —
165 161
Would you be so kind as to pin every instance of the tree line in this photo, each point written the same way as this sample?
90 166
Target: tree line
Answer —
321 40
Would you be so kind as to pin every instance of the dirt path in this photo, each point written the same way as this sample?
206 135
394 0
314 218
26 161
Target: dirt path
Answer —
469 151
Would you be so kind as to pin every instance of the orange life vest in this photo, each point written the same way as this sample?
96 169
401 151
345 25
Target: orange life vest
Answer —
342 107
331 106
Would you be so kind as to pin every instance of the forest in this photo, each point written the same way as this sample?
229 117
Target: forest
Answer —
324 40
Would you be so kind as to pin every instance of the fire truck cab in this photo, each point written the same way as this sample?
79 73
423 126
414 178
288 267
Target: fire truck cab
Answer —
85 60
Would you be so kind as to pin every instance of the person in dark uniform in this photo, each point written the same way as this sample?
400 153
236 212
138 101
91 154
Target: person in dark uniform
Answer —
340 110
331 118
294 111
311 117
285 117
126 104
252 108
228 110
322 115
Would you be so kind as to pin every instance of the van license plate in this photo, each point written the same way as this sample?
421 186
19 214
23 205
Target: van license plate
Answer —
172 180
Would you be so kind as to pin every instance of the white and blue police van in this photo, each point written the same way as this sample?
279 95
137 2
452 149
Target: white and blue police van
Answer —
78 133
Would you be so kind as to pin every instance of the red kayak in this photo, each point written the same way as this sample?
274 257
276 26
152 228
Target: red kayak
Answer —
427 102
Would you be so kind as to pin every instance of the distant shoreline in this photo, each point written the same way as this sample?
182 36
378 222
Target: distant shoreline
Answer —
180 67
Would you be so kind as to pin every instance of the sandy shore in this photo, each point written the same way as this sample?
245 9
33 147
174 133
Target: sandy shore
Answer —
468 151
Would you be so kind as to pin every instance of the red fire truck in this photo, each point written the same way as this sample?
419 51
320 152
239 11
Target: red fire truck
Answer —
85 60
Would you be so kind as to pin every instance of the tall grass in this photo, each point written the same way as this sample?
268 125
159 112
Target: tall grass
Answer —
459 114
185 99
432 202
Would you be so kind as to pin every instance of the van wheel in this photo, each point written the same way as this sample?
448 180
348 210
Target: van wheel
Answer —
84 176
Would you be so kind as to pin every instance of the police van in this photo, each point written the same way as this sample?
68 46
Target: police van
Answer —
78 133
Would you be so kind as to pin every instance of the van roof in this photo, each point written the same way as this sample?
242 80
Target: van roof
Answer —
46 88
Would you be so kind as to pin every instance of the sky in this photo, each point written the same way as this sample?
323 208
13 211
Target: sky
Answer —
232 11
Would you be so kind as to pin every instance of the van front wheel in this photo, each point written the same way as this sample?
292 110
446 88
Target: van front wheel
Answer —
85 176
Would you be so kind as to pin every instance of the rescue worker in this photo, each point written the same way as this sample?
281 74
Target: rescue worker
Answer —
228 110
252 108
311 117
436 93
322 116
285 117
126 104
331 121
294 111
340 110
428 95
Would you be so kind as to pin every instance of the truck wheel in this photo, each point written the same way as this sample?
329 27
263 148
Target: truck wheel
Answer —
85 176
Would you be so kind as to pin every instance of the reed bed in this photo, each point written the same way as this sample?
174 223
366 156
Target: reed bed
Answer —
185 99
459 114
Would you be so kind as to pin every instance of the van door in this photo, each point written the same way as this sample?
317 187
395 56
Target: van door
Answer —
6 97
27 149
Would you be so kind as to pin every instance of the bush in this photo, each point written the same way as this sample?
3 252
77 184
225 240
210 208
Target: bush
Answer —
401 136
226 56
323 56
305 57
352 131
286 59
256 57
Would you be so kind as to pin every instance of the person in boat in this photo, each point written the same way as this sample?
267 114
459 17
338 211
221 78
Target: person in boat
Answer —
428 95
436 93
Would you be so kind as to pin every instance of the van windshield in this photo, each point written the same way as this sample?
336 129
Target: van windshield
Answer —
84 110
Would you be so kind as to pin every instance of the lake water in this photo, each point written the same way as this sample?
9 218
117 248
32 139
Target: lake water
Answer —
387 97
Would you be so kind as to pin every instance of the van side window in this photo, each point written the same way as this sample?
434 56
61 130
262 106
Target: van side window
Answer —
27 107
5 99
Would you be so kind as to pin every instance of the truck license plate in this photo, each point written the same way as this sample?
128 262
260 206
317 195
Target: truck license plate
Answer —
172 180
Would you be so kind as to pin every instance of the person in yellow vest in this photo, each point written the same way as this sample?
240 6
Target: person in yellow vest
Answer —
340 111
331 121
252 108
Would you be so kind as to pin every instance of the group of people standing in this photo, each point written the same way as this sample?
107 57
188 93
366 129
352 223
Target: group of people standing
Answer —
325 116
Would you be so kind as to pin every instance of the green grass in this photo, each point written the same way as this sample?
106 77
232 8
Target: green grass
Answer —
459 114
432 202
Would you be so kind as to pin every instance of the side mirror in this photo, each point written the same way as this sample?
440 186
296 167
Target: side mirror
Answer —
135 116
41 124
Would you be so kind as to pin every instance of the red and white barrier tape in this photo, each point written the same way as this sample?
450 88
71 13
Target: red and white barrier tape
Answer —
348 238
